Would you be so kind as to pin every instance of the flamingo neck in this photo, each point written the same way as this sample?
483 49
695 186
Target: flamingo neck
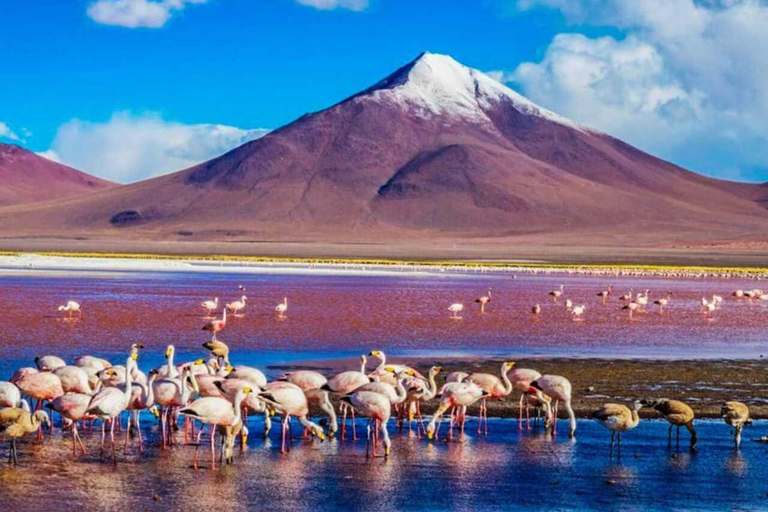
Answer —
238 406
169 363
507 383
128 377
635 419
432 386
383 363
401 394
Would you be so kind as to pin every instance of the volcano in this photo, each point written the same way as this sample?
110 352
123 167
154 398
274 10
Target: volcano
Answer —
435 151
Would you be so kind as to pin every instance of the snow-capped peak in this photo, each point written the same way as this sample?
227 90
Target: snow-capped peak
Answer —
438 84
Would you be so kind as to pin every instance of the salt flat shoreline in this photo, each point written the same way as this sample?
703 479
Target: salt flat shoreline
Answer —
702 383
32 263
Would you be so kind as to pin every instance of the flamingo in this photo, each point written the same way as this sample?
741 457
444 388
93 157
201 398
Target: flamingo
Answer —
578 311
568 304
677 414
218 349
736 414
173 392
708 307
215 411
74 380
377 408
632 307
457 395
217 325
282 307
642 299
738 294
455 309
311 383
210 305
345 383
559 390
395 394
663 302
521 379
536 309
73 407
251 374
289 400
72 307
493 387
16 423
485 299
39 386
618 418
626 297
142 397
10 396
385 375
49 363
169 369
606 293
420 391
557 293
109 403
237 306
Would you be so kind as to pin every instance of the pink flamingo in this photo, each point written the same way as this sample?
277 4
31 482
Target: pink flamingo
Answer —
217 325
345 383
493 387
40 386
377 408
559 390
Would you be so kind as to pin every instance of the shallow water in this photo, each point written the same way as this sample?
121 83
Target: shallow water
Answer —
339 316
342 316
506 470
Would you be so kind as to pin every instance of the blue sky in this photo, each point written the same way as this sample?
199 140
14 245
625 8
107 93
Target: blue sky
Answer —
83 84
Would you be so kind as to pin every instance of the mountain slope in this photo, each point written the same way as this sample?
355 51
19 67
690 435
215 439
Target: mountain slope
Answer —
434 151
30 178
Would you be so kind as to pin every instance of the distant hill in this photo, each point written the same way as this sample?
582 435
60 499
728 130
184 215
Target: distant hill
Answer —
29 178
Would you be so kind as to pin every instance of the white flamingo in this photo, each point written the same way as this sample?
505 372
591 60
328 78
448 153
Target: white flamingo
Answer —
282 307
210 305
72 307
455 309
238 305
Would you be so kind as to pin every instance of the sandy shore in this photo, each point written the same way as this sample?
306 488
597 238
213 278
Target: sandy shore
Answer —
500 250
51 263
703 384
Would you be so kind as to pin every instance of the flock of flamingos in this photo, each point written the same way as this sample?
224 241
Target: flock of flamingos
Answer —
215 393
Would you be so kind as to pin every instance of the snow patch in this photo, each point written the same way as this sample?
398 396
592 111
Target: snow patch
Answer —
437 84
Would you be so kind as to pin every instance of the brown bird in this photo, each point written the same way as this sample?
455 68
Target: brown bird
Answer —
736 414
618 418
677 414
16 423
218 349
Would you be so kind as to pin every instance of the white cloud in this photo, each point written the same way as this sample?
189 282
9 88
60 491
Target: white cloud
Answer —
7 133
129 148
327 5
136 13
690 91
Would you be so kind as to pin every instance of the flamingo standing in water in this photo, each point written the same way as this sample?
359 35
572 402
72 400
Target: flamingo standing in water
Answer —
217 325
631 307
345 383
72 307
559 390
16 423
237 306
282 307
456 395
39 386
210 305
577 312
378 409
606 293
493 387
618 418
557 293
109 403
536 309
289 400
73 407
215 411
663 302
455 309
485 299
521 379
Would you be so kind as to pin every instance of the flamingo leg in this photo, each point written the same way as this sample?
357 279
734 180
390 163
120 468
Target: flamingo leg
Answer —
354 429
197 449
213 447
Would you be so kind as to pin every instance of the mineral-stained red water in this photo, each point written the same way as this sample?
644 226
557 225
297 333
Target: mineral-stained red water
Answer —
402 314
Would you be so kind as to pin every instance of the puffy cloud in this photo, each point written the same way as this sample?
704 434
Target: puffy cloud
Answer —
326 5
136 13
692 92
129 148
7 133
